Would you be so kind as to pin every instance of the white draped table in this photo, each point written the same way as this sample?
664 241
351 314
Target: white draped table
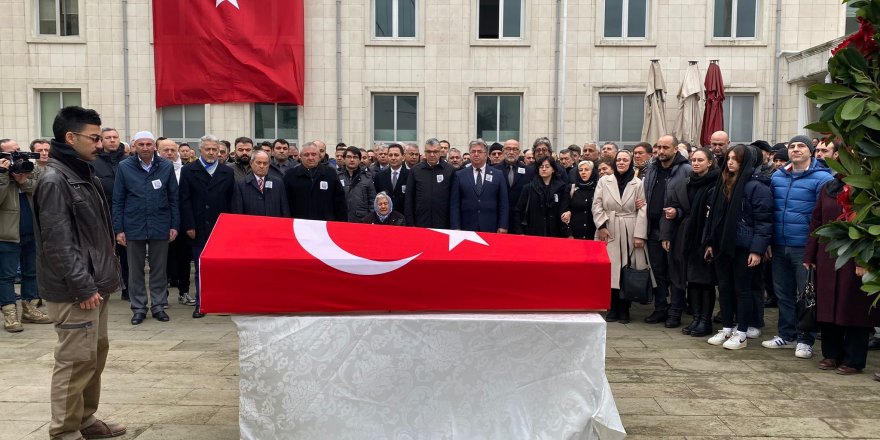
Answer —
426 376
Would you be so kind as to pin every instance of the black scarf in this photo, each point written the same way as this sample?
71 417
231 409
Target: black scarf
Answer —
724 214
65 154
699 188
834 187
625 178
587 184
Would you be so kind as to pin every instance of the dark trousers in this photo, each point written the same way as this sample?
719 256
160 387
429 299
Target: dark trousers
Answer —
739 289
660 267
702 300
12 256
122 254
848 345
768 280
197 253
179 259
618 305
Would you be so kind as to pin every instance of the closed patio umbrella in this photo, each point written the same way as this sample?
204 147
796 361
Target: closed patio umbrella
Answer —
690 112
655 105
713 118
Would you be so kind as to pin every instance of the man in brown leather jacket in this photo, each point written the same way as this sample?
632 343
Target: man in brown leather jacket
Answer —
77 271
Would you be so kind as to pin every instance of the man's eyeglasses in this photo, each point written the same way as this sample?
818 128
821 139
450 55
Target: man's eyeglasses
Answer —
94 137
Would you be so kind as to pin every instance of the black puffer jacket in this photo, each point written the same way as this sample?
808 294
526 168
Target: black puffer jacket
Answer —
75 242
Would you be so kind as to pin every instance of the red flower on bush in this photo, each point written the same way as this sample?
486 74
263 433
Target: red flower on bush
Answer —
846 204
863 40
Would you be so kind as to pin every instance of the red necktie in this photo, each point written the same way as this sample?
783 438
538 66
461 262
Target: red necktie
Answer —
260 180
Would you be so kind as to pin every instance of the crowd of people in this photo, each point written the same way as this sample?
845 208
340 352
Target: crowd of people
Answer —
726 220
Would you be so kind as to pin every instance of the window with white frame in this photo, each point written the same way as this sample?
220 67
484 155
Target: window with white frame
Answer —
626 19
183 122
394 18
274 121
50 101
852 23
739 118
621 117
499 117
736 18
395 118
58 17
499 19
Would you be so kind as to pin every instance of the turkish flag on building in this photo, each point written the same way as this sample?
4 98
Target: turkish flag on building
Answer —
217 51
277 265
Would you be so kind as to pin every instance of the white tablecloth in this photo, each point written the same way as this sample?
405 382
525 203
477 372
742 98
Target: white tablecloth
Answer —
428 376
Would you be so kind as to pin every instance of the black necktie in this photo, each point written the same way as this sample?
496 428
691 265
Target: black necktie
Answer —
479 185
510 175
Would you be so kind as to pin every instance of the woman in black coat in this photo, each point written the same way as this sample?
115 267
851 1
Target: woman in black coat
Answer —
579 218
384 213
542 203
739 228
681 232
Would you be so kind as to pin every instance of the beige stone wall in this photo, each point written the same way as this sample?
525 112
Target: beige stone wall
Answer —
446 66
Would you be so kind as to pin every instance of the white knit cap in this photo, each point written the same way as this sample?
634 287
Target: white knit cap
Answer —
143 135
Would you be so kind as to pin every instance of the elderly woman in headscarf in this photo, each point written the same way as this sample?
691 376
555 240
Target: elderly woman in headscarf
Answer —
579 217
622 224
384 213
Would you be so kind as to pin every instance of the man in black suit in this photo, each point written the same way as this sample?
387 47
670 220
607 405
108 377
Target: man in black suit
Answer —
206 187
516 173
392 179
313 189
479 195
259 193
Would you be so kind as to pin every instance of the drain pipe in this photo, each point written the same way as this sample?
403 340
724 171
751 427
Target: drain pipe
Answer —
560 78
556 61
338 71
125 77
776 71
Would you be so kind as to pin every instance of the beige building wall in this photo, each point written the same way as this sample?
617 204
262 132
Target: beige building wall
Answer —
446 65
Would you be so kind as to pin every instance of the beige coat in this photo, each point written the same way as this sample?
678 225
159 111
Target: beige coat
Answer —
623 221
9 209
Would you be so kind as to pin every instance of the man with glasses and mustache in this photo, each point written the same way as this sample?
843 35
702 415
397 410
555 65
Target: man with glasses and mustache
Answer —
428 187
542 147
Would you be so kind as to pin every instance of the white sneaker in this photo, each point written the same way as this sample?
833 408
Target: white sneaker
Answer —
753 333
777 342
736 341
803 351
720 337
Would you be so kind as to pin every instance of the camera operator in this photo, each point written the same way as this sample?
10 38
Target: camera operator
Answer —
17 245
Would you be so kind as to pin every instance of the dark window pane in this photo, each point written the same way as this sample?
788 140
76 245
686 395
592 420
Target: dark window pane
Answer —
614 18
384 16
407 118
742 118
489 15
406 18
633 118
264 121
50 103
195 121
287 122
172 122
510 118
637 19
609 118
852 24
383 118
69 17
512 18
487 117
723 18
746 16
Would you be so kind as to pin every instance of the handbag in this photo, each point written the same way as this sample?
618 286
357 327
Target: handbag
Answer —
637 285
806 306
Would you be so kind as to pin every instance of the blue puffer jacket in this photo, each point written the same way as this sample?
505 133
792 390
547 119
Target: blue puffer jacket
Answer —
755 224
145 205
794 196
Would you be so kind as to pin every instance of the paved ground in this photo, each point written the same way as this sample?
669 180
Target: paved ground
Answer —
180 380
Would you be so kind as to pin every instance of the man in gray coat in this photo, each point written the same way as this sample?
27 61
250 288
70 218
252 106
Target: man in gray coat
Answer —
357 183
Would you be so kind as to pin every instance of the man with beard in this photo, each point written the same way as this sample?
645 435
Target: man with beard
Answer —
516 174
496 154
542 147
243 148
453 157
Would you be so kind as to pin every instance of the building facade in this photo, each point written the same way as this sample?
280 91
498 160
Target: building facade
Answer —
408 70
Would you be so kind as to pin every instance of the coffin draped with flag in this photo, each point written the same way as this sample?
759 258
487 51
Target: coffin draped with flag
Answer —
274 265
218 51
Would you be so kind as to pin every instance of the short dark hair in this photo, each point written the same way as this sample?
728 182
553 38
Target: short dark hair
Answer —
353 150
280 141
35 142
228 145
243 140
575 148
73 118
547 158
341 146
398 146
184 144
644 145
265 144
160 139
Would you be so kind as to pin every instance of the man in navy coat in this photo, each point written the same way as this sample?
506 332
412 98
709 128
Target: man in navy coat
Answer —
516 173
479 195
206 188
392 179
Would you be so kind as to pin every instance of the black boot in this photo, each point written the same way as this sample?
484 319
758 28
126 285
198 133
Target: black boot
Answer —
673 319
613 311
690 327
703 328
624 312
707 306
657 317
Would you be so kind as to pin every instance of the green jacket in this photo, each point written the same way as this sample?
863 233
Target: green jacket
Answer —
9 209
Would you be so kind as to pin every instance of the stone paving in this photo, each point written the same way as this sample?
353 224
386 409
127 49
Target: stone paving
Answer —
179 380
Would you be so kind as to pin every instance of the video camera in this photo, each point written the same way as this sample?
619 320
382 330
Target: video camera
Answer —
21 163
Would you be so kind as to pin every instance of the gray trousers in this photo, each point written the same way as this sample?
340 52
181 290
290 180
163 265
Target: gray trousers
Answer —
137 292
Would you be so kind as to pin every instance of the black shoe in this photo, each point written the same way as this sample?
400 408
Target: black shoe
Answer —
874 343
125 296
612 316
161 316
771 303
687 329
138 318
717 318
624 317
703 328
657 316
672 322
197 314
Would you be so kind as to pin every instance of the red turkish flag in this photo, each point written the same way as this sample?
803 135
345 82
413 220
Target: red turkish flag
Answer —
217 51
277 265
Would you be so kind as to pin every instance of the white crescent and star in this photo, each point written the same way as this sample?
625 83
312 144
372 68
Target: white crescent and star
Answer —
232 2
314 238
